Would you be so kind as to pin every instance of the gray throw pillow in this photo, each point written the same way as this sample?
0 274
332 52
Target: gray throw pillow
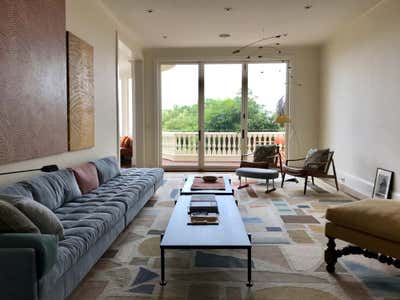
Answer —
316 156
42 217
14 221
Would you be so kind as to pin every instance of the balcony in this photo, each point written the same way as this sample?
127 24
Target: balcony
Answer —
221 148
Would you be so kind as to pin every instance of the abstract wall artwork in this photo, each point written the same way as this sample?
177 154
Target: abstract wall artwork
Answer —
80 94
33 96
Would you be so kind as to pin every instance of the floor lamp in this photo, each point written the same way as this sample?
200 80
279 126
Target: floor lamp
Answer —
46 169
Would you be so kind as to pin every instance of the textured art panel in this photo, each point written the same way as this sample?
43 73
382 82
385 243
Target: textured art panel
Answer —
80 94
33 96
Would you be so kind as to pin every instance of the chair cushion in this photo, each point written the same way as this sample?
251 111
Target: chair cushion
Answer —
379 218
257 173
42 217
14 221
295 171
107 168
86 176
53 189
263 153
316 156
253 164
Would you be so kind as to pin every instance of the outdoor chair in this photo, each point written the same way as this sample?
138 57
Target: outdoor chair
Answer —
315 165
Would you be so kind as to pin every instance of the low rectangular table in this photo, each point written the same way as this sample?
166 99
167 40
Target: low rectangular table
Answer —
230 233
187 188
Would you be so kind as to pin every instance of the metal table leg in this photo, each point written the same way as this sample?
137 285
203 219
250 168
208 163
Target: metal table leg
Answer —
249 282
162 281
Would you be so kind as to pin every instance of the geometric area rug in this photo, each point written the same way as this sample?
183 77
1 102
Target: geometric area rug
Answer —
288 239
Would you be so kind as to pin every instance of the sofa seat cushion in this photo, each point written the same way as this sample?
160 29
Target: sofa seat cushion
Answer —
379 218
89 218
130 186
85 221
153 174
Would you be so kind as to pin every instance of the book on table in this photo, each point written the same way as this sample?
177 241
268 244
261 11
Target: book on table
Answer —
203 210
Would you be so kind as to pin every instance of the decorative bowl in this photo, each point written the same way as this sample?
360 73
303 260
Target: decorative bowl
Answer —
210 178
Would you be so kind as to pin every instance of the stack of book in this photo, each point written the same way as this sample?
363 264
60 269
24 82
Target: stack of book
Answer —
203 210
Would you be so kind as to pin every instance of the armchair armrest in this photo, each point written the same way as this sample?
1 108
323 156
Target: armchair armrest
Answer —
44 247
18 276
296 159
248 154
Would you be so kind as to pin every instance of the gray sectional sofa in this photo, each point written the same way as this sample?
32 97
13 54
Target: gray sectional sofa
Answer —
37 266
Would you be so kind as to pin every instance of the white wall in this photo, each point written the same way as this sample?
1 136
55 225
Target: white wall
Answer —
89 21
304 99
360 92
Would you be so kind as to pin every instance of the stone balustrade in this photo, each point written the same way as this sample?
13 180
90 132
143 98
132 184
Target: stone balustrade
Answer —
219 146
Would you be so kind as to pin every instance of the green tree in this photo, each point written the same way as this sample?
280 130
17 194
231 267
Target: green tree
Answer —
221 115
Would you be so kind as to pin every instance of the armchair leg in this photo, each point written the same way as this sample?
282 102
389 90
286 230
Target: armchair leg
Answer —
331 255
240 183
305 184
283 179
312 179
336 183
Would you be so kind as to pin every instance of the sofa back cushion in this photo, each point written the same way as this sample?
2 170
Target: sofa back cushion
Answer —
14 221
107 168
86 176
53 189
16 189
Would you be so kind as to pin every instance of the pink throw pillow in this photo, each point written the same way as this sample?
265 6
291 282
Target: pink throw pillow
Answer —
86 176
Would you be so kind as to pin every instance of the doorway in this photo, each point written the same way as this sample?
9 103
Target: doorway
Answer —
213 113
125 106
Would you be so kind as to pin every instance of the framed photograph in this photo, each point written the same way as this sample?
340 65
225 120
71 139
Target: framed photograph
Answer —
382 184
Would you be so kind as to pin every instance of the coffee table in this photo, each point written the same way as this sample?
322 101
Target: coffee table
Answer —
230 233
187 188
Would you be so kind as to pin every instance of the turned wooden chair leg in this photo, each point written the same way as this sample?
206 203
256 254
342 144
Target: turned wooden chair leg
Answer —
331 255
283 179
305 184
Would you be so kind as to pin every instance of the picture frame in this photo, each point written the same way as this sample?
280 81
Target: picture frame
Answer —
383 184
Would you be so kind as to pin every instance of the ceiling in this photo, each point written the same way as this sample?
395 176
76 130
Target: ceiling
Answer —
197 23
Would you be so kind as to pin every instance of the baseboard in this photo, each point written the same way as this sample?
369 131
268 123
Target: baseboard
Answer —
356 186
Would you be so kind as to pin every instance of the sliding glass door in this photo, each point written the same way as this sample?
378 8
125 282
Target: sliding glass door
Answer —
266 87
180 115
213 113
222 115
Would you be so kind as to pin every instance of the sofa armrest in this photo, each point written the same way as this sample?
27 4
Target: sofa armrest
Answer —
44 246
18 275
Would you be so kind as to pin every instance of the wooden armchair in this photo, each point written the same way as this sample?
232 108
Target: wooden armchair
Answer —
266 164
316 164
264 157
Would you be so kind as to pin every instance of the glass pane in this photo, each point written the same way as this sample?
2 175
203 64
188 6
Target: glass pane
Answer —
267 85
179 102
222 114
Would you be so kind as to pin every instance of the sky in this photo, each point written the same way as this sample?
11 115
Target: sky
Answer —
179 83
